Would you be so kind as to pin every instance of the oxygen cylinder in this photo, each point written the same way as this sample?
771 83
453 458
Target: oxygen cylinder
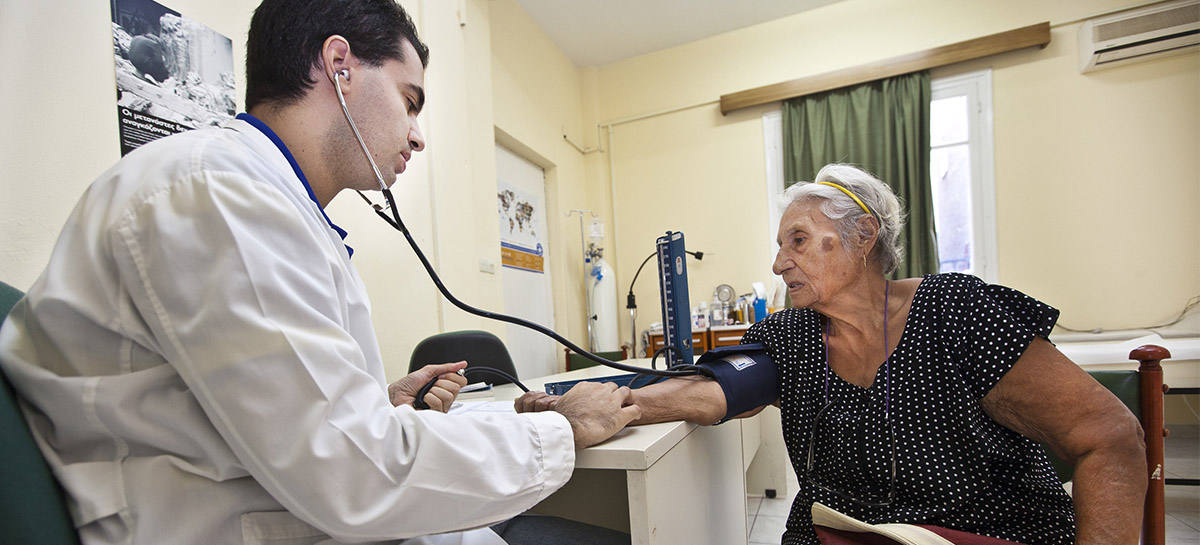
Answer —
603 283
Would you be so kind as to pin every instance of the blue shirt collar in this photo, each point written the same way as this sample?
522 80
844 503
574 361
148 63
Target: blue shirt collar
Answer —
270 134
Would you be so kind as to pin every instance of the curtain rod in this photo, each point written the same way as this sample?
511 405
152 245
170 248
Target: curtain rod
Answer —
1003 42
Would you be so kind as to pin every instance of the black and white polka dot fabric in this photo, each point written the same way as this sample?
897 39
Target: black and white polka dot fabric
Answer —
955 466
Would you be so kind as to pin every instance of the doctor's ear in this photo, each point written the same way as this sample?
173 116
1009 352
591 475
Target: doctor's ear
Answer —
335 58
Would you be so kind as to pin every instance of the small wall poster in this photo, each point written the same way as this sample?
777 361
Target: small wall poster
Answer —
173 73
522 229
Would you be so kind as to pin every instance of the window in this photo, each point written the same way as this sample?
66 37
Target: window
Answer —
960 170
961 173
773 144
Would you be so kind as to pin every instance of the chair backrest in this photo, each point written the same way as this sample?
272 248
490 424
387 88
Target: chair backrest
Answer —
8 297
478 348
579 361
1142 392
34 509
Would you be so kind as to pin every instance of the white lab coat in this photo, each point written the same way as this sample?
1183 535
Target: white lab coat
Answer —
200 367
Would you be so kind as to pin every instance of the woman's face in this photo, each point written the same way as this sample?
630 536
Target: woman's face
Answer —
812 260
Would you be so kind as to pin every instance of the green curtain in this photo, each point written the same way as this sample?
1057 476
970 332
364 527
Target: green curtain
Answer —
882 127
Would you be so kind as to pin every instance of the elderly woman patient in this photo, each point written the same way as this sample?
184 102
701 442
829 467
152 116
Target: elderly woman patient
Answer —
922 400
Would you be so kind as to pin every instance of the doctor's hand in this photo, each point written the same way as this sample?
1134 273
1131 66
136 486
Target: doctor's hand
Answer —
441 396
535 402
597 410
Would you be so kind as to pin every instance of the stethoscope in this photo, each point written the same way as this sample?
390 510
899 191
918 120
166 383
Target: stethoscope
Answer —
398 224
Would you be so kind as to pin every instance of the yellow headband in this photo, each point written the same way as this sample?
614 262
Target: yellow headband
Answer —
852 196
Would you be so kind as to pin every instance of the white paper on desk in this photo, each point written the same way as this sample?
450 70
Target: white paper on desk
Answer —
482 406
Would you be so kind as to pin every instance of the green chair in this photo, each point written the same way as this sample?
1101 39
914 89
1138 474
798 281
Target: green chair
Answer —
34 509
1142 392
579 361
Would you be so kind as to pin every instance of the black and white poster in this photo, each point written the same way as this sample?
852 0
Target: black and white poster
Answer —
173 73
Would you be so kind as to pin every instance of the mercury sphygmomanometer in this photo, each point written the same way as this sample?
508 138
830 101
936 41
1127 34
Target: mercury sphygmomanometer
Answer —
740 395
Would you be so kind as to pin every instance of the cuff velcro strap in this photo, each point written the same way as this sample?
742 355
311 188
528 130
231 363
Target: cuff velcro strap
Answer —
746 374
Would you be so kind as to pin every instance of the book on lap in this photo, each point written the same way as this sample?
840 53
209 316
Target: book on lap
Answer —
835 528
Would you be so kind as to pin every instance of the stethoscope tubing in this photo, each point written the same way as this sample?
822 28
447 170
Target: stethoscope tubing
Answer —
398 224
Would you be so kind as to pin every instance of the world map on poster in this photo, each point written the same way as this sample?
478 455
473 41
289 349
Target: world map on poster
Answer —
518 214
520 236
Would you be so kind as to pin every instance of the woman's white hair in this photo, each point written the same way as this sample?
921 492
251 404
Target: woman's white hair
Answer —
845 212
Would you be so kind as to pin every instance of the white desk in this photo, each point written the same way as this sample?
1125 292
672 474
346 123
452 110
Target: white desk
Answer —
1096 353
668 484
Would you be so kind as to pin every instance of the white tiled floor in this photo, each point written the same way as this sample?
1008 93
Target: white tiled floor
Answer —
1182 461
766 516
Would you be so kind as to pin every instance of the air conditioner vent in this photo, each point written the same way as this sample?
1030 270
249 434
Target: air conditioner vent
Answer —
1151 22
1122 37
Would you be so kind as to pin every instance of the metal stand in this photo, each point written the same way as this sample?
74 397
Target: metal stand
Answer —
587 260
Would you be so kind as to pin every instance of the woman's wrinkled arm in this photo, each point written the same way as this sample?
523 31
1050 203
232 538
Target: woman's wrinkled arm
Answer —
1049 399
691 399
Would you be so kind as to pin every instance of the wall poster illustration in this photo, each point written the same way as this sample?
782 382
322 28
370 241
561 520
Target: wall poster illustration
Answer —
522 229
173 73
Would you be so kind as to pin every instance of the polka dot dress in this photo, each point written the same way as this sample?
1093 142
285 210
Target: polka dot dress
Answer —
954 466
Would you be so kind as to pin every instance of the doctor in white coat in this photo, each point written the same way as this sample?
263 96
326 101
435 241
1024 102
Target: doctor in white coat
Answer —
197 361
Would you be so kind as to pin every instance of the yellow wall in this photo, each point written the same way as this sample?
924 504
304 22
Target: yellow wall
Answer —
58 110
1097 175
1091 170
537 99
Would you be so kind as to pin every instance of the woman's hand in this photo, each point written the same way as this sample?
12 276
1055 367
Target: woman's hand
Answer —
441 396
535 402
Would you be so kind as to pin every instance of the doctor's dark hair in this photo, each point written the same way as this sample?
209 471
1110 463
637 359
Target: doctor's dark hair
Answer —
284 43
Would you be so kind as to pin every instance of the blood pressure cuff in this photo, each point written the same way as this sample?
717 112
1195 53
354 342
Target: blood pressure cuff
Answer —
747 375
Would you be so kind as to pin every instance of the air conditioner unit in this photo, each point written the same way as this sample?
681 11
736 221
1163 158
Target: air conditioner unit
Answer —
1135 34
